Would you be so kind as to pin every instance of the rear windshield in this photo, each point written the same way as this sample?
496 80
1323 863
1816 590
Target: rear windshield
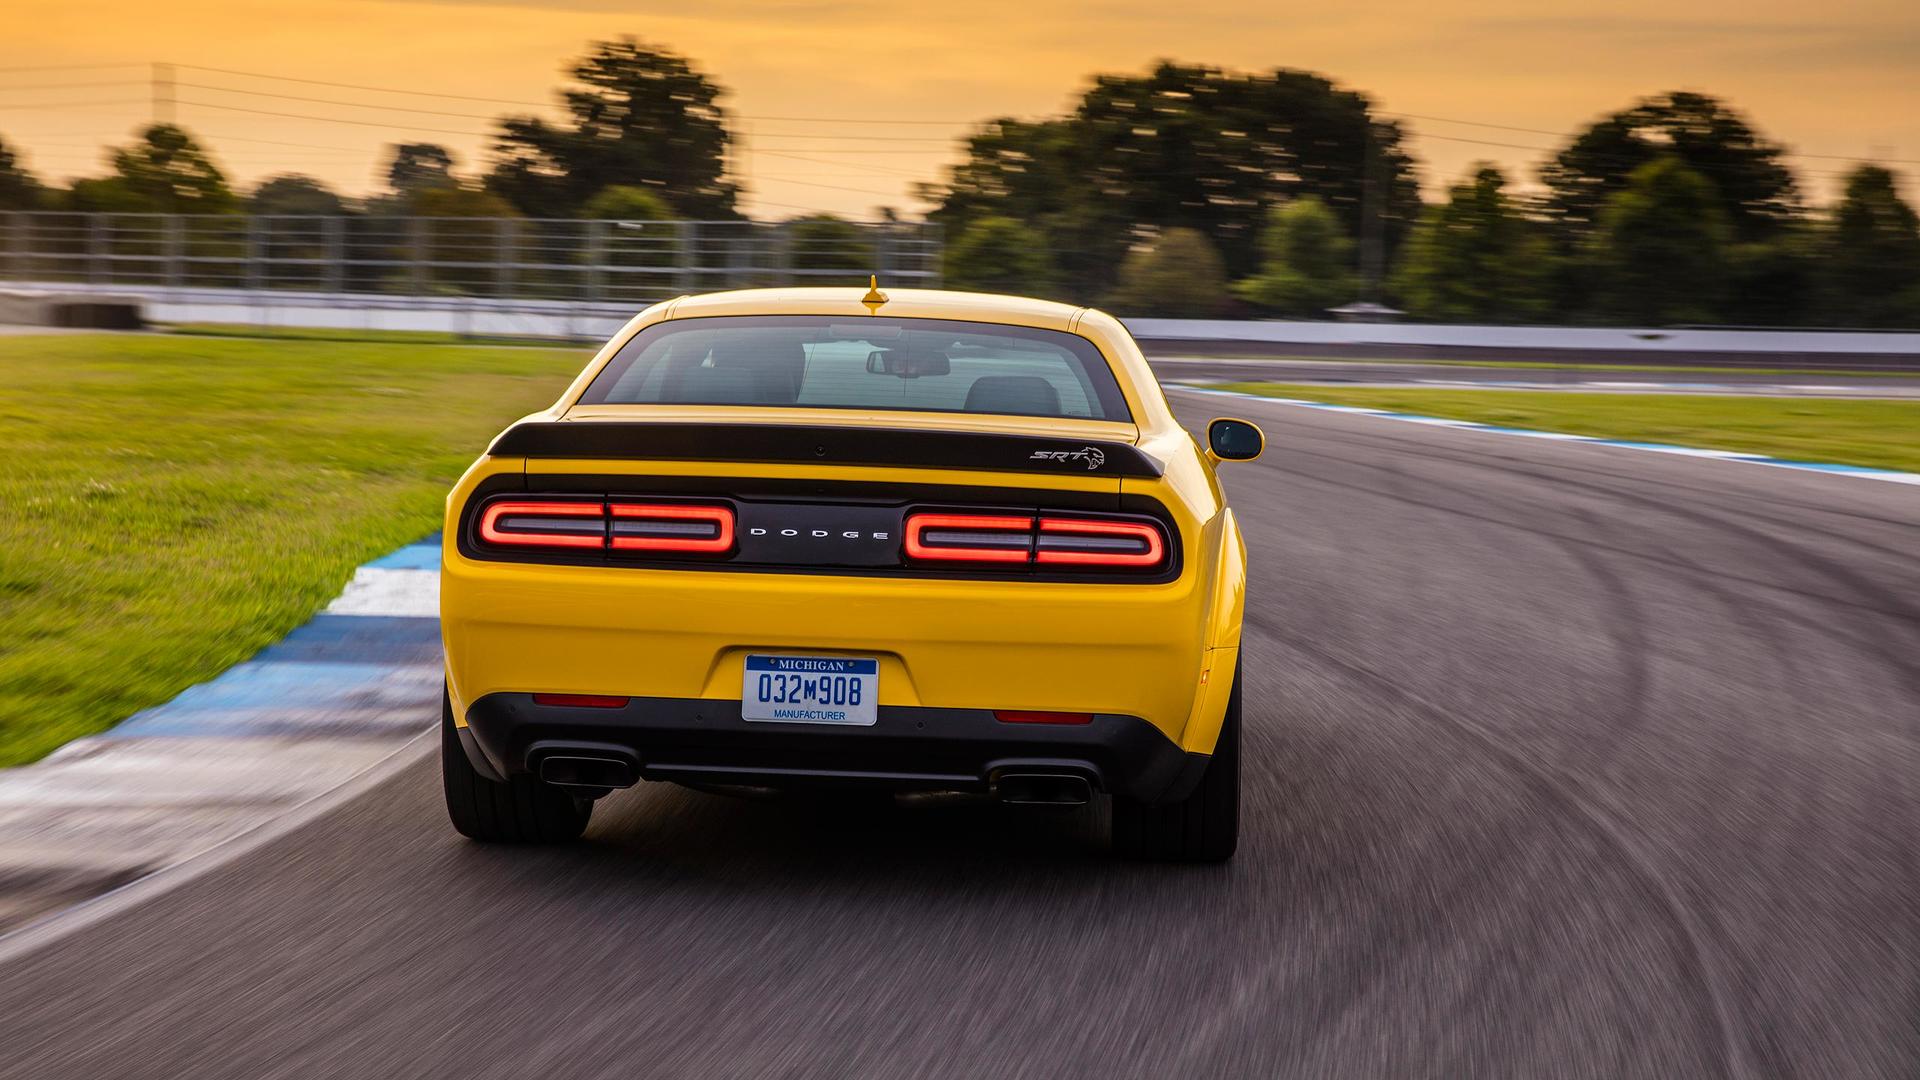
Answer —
826 362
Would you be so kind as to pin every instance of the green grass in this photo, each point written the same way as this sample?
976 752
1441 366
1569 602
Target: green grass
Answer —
1550 365
173 504
1882 434
322 333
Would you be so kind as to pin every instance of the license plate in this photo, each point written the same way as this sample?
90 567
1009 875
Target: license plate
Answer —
811 690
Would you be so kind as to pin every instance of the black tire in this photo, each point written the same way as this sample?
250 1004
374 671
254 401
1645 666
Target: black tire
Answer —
521 811
1203 827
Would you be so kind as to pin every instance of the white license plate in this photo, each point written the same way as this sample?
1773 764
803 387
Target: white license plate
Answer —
811 690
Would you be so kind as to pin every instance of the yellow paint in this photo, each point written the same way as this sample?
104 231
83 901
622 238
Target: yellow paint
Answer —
1165 652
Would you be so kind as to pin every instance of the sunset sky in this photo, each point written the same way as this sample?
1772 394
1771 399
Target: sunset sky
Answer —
1840 79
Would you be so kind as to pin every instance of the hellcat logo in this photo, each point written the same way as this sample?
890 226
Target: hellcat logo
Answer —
1092 455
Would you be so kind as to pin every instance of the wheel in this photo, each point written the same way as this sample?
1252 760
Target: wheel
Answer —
1203 827
521 811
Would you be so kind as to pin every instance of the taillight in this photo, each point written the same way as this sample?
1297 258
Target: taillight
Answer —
1117 543
668 527
577 524
992 538
544 524
1098 543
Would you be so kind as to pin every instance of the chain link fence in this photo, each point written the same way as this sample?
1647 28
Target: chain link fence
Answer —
499 264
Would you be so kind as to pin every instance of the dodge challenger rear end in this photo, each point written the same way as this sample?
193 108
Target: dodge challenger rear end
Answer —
821 538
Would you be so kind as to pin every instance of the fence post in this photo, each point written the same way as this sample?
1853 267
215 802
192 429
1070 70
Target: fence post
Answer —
170 251
334 229
9 254
96 248
689 276
506 249
417 255
254 254
596 259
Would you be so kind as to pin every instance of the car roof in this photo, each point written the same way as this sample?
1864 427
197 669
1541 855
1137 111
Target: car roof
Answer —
900 303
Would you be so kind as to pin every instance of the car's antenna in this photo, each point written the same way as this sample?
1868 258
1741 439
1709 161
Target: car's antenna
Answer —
874 297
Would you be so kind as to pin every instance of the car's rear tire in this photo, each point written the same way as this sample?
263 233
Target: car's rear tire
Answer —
1204 826
520 811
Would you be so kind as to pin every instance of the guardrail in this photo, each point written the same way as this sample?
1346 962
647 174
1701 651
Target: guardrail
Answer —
614 265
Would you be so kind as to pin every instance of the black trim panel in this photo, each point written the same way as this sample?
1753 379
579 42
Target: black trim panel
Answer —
704 740
826 444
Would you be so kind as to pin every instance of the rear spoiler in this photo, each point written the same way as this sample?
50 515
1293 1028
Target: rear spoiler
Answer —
824 444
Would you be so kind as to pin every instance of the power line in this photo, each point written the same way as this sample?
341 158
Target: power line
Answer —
336 120
8 89
70 67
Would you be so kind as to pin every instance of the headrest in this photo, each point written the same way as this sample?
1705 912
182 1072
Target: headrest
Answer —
1026 395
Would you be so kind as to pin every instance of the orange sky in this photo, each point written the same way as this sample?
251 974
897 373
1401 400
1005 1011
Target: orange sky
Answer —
1841 78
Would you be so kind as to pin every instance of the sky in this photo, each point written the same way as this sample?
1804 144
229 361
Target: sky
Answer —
809 80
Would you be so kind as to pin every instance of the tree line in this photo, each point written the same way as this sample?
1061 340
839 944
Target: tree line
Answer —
1191 190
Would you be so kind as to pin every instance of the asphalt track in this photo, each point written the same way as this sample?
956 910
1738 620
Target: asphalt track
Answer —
1562 761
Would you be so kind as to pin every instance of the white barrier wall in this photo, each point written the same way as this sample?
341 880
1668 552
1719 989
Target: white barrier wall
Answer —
1526 337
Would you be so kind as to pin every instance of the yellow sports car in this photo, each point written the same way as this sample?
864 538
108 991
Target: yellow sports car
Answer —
819 537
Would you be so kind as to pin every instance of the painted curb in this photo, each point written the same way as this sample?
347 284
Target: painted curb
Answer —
230 763
1860 471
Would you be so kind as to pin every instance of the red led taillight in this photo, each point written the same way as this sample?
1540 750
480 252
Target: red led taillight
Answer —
995 538
531 523
1098 543
667 527
1116 543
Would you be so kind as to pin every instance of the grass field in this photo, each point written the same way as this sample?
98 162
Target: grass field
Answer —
1883 434
173 504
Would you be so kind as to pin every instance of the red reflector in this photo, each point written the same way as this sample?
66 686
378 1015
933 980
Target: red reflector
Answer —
1008 716
580 701
527 517
717 519
964 537
1101 543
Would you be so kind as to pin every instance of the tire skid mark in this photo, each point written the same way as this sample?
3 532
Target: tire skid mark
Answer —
1703 964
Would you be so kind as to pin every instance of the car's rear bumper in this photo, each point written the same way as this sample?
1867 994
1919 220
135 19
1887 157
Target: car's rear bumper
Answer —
705 740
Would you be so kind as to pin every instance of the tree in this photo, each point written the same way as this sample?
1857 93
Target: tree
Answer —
1475 258
1182 147
291 193
999 255
18 188
625 202
1873 257
1179 274
461 202
1660 249
417 167
644 116
825 242
164 172
1309 261
1755 191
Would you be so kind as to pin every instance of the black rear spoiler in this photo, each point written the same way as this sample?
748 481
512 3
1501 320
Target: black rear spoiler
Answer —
827 444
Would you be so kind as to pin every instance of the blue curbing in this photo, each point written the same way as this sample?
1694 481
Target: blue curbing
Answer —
339 675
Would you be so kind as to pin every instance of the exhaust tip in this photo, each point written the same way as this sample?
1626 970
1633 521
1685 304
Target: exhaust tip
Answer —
587 771
1043 789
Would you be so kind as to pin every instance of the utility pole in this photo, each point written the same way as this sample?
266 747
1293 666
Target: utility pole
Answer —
162 97
1372 220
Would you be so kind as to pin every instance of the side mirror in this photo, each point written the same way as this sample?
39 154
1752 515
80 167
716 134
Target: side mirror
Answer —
1234 440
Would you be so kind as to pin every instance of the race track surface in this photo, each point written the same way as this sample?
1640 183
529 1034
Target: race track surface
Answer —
1562 761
